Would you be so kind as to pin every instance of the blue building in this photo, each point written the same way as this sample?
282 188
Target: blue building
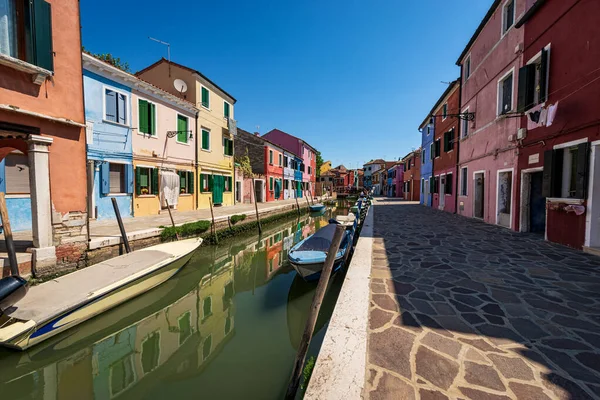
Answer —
297 166
108 117
427 135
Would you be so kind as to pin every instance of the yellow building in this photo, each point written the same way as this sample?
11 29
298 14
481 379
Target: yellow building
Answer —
326 166
215 127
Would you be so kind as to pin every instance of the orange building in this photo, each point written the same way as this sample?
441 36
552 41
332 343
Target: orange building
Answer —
42 140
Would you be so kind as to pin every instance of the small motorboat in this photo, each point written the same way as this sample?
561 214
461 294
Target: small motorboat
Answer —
60 304
308 256
317 207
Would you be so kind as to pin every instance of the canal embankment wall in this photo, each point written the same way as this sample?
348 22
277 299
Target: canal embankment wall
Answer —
340 369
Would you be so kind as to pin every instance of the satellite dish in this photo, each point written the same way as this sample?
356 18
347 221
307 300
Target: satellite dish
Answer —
180 85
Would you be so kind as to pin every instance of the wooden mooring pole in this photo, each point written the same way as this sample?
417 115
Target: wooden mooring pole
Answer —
171 216
297 205
314 312
307 202
256 207
8 238
121 226
212 215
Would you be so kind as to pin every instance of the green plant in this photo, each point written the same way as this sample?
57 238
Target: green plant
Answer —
110 59
245 165
237 218
189 229
307 371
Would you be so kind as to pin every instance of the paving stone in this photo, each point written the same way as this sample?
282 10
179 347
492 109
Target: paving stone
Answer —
390 387
425 394
474 355
568 344
378 288
511 367
527 392
463 308
406 320
527 328
390 350
499 332
469 299
494 319
400 288
590 360
371 374
474 394
435 368
442 344
472 318
482 345
548 306
379 318
419 295
493 309
385 301
483 375
574 323
423 306
443 309
564 389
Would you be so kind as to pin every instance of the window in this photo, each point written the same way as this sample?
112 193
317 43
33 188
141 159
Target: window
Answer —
26 32
117 178
448 184
432 151
286 184
463 181
449 140
147 117
205 97
206 307
205 139
533 81
464 127
16 169
309 170
121 374
271 157
280 159
228 184
226 109
467 67
185 327
146 181
436 185
422 185
508 15
150 352
206 347
227 146
271 184
205 183
285 161
505 94
445 111
565 172
186 182
437 145
182 128
115 106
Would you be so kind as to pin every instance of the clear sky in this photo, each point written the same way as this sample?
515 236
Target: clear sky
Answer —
354 78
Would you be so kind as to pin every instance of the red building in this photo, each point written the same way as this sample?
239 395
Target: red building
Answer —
412 175
274 171
444 149
559 92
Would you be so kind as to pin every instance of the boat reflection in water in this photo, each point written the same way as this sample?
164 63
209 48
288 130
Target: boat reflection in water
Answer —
226 327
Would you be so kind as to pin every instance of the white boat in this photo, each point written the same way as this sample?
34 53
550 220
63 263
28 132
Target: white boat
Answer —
65 302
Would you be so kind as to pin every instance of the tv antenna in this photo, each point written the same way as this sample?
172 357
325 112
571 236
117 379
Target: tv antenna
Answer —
168 50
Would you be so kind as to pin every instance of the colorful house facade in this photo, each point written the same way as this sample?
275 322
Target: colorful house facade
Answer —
396 180
412 175
488 156
215 126
42 125
559 157
427 129
445 146
273 171
371 177
252 146
289 184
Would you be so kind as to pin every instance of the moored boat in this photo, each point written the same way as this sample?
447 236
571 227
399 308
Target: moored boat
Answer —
317 207
65 302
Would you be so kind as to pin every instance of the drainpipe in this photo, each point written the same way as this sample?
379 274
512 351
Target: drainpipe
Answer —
197 176
432 164
460 122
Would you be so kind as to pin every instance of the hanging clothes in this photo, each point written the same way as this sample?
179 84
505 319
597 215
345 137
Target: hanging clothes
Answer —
169 184
551 114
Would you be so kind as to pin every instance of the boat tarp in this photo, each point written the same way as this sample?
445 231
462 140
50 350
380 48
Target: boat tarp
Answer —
321 240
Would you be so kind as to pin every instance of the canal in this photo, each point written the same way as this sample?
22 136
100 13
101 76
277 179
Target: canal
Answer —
226 327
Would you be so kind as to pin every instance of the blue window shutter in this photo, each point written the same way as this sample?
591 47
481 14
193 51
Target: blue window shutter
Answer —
104 179
110 99
2 177
129 177
122 108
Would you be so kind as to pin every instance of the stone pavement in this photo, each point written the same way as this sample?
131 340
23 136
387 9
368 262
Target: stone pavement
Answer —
465 310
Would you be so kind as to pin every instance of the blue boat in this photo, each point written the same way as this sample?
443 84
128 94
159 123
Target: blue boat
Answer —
308 256
317 207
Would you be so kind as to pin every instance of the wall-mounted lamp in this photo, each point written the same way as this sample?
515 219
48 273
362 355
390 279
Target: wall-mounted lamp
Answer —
172 134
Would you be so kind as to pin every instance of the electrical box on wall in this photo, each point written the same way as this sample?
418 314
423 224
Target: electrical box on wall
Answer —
522 133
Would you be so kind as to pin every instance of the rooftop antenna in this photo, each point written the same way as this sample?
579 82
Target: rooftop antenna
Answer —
168 50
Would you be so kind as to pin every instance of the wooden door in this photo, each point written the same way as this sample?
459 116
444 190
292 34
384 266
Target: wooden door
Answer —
479 194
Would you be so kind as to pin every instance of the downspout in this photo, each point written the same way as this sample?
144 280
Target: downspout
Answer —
197 175
432 163
460 122
87 177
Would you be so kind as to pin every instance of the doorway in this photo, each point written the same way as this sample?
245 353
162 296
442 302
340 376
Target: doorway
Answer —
479 181
504 198
238 191
537 204
259 191
442 192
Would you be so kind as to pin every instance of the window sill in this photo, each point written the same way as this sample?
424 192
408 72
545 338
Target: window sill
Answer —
183 143
117 195
185 194
206 151
18 196
38 74
115 123
146 196
147 135
206 108
565 200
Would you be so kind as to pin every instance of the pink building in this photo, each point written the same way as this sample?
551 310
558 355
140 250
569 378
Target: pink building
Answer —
397 180
488 156
298 146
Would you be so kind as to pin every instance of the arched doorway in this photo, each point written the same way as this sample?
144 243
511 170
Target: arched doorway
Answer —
14 182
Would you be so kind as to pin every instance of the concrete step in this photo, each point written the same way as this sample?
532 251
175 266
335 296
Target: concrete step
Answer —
23 259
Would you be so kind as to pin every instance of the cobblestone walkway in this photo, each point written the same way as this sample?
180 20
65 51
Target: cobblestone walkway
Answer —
465 310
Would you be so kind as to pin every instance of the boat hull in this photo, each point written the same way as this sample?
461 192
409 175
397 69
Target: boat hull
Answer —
317 208
312 272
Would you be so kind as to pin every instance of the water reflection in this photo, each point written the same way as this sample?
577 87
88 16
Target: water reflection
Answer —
227 326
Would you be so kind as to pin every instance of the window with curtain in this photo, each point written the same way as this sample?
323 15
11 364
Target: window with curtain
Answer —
115 106
8 28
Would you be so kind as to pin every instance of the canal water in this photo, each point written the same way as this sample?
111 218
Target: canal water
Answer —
226 327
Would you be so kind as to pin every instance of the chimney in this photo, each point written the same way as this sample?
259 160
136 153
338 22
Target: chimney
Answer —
256 134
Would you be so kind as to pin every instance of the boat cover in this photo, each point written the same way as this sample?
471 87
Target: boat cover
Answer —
321 240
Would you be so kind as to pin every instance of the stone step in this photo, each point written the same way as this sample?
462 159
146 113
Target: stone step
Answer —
23 259
592 250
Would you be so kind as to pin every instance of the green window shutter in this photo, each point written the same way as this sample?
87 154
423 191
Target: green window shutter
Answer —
205 98
226 109
138 181
182 181
152 116
182 128
143 116
154 173
205 139
202 177
211 181
39 29
270 183
230 184
190 182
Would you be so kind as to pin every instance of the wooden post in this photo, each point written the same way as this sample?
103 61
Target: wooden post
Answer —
229 222
121 226
297 205
314 311
307 203
10 245
212 215
171 216
256 207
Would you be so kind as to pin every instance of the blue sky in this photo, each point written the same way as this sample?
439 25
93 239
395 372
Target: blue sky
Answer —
354 78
